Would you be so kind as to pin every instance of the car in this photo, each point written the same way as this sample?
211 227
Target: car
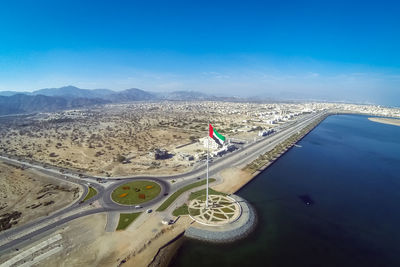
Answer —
138 207
149 211
166 194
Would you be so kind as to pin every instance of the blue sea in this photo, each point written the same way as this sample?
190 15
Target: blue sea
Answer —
350 168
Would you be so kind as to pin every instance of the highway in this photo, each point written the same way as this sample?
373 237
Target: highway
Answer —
17 237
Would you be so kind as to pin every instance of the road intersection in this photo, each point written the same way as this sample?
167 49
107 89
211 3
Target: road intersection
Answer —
25 234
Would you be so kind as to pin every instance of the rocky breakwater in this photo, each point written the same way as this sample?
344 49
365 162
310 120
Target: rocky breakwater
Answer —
229 232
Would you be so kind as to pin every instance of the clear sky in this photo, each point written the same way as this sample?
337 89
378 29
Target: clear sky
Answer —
330 50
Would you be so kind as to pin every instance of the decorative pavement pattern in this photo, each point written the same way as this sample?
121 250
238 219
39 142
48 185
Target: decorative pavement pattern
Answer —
221 210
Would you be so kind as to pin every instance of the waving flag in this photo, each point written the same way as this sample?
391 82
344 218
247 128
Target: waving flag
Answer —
218 138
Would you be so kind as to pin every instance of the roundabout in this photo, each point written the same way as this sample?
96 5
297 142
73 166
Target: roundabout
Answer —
221 210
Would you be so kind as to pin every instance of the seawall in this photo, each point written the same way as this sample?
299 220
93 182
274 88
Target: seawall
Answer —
228 232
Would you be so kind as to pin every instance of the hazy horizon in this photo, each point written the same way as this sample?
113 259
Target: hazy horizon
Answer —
335 51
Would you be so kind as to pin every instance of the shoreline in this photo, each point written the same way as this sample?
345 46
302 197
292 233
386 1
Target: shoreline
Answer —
167 252
240 183
160 244
388 121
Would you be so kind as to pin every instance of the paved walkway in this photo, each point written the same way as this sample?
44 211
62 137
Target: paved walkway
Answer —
112 221
221 210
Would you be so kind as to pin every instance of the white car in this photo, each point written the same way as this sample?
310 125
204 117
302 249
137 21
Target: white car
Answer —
138 207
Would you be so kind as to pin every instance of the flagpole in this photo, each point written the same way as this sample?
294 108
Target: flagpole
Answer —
208 146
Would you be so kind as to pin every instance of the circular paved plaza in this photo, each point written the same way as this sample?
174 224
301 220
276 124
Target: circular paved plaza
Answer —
221 210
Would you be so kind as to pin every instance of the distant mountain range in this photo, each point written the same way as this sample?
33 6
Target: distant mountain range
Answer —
52 99
21 103
74 92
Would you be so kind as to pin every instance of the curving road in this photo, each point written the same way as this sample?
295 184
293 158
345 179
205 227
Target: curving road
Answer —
20 236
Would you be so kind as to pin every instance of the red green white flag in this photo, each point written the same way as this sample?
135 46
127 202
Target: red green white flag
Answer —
218 138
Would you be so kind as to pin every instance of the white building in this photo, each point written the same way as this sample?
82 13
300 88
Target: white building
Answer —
213 145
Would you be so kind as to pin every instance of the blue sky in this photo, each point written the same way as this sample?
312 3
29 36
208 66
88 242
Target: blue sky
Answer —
330 50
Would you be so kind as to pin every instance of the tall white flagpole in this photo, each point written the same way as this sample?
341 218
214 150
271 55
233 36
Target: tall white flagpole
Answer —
208 146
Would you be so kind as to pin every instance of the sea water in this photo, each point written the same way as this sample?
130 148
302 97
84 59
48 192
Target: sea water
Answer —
350 168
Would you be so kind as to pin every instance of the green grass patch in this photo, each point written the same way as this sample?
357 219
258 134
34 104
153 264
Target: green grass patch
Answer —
226 209
136 192
203 193
125 219
194 212
91 193
219 215
182 210
175 195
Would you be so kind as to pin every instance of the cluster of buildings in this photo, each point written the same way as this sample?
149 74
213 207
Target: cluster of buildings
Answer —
215 148
266 132
251 118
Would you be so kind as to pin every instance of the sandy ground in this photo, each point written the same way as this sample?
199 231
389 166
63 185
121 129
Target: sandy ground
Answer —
87 244
166 233
167 253
93 140
233 179
386 121
32 193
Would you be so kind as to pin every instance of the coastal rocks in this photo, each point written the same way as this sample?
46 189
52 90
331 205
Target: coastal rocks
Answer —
229 232
167 252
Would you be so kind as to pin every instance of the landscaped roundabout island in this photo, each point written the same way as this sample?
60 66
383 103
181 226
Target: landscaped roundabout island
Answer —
136 192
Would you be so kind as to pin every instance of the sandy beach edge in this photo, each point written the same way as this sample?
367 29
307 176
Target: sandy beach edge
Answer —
389 121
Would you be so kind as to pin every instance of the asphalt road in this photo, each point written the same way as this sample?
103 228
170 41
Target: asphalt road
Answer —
20 236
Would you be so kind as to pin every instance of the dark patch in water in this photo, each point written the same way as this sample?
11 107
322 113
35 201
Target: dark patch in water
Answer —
307 200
